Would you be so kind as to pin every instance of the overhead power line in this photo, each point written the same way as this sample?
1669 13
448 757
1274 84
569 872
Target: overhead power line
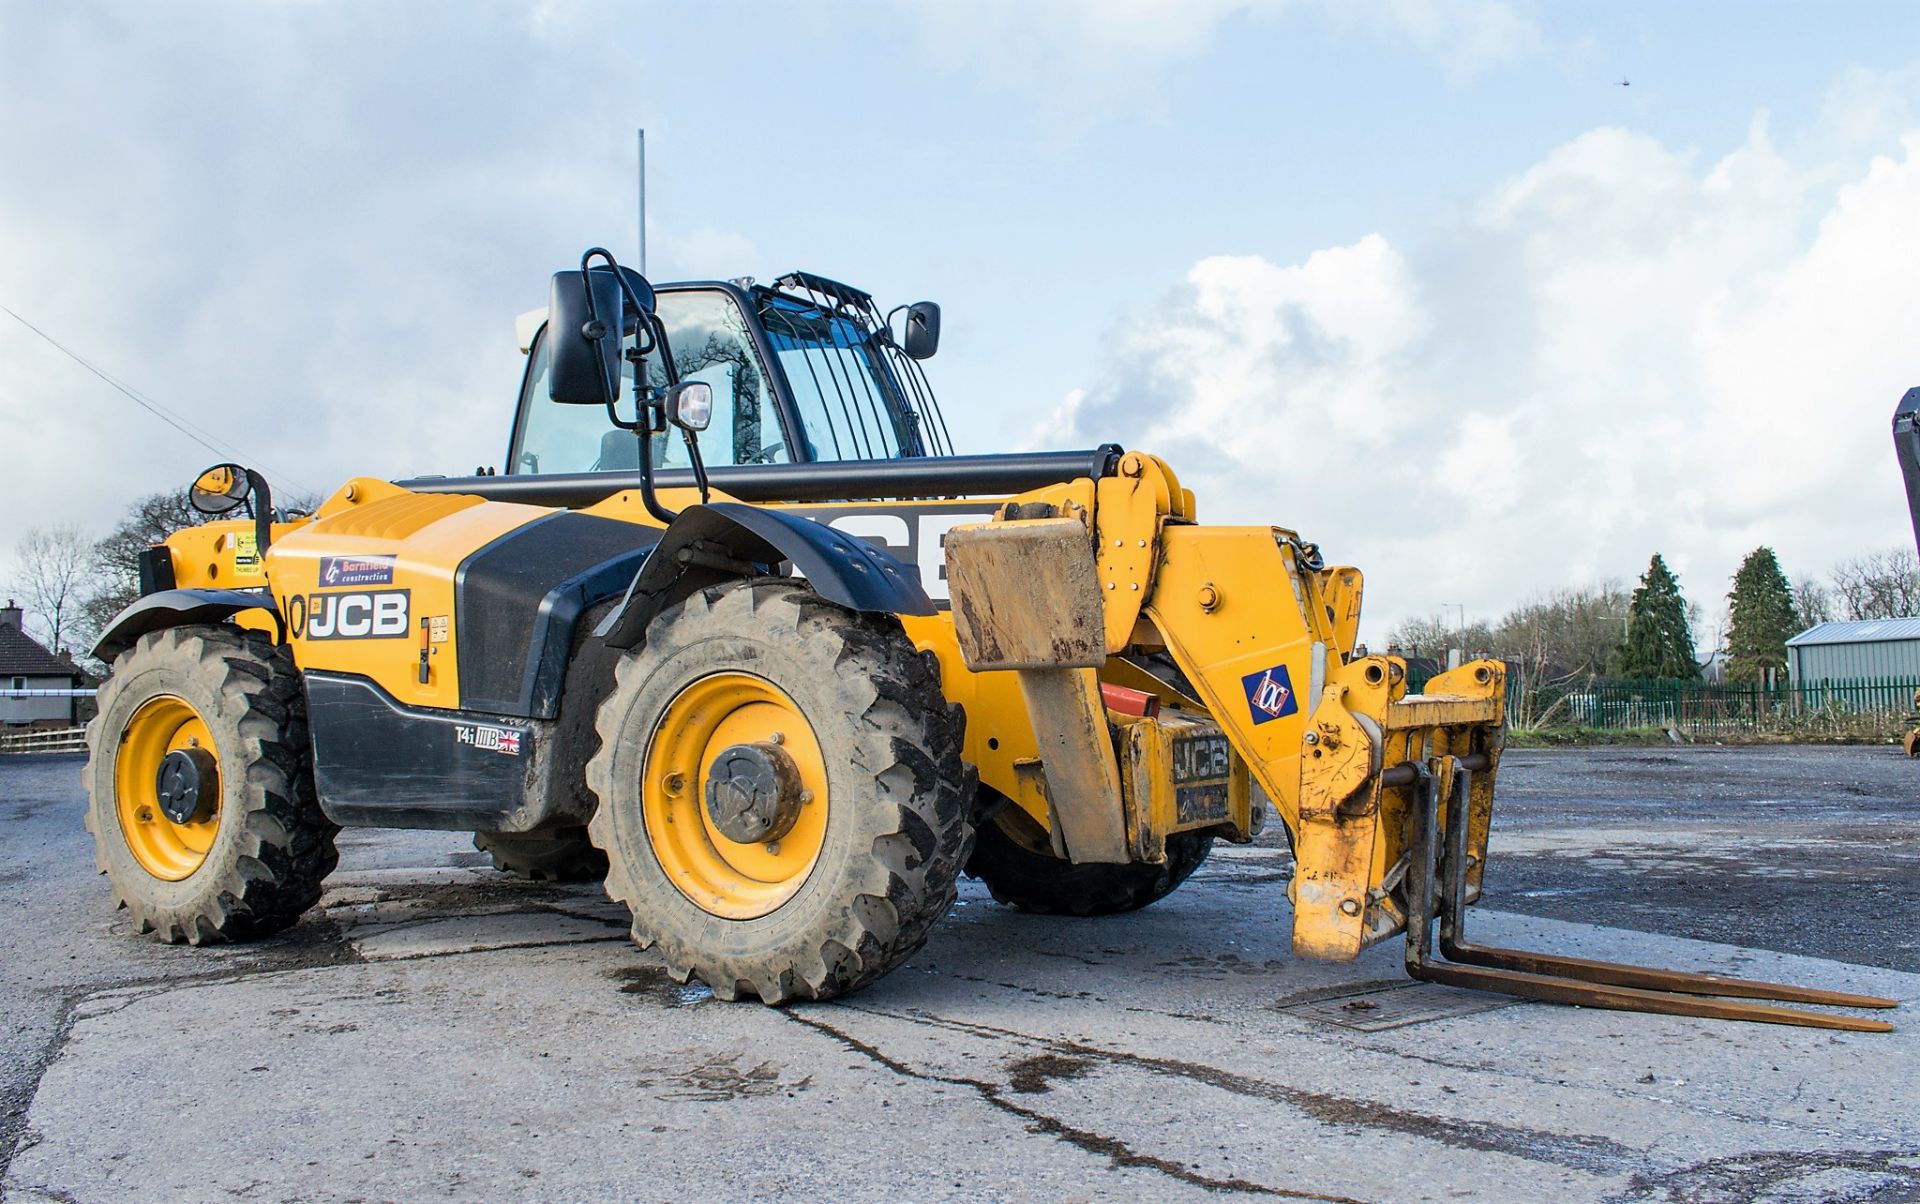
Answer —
177 422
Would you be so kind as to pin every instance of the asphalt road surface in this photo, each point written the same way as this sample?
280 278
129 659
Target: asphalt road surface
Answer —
435 1030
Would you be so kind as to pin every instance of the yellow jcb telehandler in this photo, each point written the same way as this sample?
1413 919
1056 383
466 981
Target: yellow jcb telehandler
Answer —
783 700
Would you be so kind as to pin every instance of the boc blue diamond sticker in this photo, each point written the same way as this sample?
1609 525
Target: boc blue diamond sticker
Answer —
1269 694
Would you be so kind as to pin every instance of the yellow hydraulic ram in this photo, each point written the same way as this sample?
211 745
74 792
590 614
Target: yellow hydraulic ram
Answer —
1386 795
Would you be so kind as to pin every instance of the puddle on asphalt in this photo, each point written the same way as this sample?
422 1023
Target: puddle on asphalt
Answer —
655 984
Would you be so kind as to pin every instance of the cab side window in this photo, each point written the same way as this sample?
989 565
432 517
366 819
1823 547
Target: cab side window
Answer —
711 342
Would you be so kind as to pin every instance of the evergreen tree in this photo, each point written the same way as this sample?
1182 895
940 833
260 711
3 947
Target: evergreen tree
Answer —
1763 619
1659 641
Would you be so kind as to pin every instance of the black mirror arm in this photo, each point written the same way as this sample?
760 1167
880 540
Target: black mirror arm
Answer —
699 466
659 330
643 425
642 308
260 502
885 333
642 428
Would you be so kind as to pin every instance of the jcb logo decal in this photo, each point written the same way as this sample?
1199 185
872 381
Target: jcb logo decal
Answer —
915 535
1201 759
376 615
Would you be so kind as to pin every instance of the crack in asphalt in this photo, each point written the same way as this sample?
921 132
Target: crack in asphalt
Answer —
15 1136
1117 1152
1353 1041
1891 1177
1583 1152
324 945
625 925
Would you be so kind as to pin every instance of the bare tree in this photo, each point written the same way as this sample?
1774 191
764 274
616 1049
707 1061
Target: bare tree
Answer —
1812 602
115 560
53 581
1568 633
1880 585
1432 636
1559 639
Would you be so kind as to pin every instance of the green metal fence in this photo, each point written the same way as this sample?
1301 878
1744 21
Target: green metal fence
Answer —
1698 708
1694 707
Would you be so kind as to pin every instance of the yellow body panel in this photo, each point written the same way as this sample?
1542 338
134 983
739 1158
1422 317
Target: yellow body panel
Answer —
1000 739
1214 605
1181 776
428 535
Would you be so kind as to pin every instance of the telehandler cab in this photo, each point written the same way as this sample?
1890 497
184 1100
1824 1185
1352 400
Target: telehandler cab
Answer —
782 701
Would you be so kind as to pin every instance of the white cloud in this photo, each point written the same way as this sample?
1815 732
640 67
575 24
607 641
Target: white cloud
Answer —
1619 351
305 227
1082 59
1466 36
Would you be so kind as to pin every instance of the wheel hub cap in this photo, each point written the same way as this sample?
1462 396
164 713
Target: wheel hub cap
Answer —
753 792
182 785
167 765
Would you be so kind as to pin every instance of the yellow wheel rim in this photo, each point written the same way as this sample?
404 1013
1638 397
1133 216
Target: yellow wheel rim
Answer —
725 877
167 850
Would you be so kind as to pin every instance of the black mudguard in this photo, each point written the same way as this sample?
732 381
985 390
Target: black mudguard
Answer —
1906 445
177 608
709 544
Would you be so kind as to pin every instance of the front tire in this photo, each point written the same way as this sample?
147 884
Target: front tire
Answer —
834 728
200 787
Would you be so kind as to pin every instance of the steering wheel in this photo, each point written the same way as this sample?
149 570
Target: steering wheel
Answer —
766 454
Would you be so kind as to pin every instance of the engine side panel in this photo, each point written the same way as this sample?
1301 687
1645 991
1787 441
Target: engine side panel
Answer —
370 584
519 598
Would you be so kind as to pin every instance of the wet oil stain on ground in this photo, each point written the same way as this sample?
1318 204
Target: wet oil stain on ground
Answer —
1036 1075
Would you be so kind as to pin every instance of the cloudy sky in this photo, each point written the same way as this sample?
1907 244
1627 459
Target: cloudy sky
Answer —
1421 278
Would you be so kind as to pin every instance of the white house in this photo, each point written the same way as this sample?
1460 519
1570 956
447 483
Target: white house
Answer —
25 665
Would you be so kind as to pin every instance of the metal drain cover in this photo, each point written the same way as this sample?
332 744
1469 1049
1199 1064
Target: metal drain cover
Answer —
1378 1008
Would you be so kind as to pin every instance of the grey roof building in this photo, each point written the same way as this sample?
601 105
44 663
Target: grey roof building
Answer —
25 665
1868 648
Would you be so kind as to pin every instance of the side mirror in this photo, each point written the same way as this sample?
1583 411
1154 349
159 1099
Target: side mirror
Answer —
923 330
691 404
220 489
583 340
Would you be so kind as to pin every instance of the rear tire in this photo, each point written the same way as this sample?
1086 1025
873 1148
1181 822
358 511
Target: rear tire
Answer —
253 856
870 761
1040 882
553 855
